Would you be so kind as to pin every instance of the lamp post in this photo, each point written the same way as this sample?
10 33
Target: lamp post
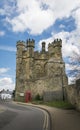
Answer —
63 97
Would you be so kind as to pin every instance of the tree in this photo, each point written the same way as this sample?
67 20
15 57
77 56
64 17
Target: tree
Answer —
13 94
74 64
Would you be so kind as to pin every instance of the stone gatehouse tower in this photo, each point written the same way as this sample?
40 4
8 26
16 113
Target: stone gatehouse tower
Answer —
40 72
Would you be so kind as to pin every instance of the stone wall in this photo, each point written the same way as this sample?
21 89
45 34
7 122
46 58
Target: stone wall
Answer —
73 95
52 95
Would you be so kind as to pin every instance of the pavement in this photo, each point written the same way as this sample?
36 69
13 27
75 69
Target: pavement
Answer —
2 109
64 119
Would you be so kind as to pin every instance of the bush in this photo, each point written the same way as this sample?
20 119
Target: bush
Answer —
38 97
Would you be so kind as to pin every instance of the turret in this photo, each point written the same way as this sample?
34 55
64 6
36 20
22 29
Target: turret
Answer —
30 47
20 47
57 43
43 47
54 48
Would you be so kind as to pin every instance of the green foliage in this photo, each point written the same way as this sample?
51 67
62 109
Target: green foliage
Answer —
59 104
13 94
38 97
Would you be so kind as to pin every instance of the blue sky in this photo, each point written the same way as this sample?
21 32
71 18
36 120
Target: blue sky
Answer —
42 21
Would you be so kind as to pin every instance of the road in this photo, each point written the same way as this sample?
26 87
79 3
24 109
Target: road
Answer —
18 117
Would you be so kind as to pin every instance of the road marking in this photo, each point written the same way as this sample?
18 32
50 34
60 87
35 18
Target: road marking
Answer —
46 116
46 121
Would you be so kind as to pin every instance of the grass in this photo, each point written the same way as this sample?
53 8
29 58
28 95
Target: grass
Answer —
57 104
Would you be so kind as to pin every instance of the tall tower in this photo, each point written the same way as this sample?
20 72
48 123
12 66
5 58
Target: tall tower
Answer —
19 79
20 47
39 72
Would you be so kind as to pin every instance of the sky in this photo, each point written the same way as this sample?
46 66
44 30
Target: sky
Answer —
41 20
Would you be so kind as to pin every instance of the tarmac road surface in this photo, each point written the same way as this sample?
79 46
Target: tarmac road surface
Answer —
18 117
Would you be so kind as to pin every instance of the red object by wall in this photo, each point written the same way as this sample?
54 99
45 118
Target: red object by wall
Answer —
28 96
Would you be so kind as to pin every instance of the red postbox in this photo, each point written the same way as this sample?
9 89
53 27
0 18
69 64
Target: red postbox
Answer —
28 96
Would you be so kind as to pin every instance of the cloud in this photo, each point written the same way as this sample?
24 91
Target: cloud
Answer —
4 70
70 43
71 80
75 15
35 16
6 83
7 7
2 33
8 48
2 12
34 21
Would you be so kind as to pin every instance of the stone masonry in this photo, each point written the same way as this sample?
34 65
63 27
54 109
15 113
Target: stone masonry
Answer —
40 73
73 94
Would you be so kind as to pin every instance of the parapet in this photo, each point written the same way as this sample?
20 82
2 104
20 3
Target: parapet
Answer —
20 43
30 43
56 42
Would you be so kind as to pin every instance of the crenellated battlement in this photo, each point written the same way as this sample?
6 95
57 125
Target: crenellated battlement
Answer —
30 43
53 47
56 42
20 43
